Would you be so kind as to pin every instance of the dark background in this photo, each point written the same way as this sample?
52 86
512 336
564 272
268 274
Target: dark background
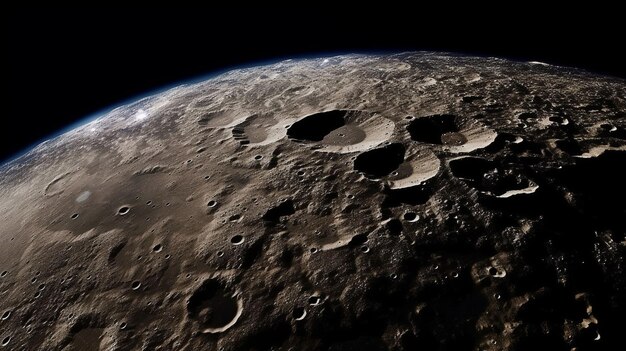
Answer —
64 65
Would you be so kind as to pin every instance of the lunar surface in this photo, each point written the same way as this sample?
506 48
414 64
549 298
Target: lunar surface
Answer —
398 202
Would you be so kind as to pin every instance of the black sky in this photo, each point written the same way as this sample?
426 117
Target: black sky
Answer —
63 65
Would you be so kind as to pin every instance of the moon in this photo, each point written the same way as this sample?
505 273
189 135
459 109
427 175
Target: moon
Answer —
358 202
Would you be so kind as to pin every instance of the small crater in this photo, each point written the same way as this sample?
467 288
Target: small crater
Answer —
258 157
6 315
124 210
234 218
299 313
136 285
213 307
495 272
3 274
315 300
410 217
6 341
123 325
365 249
527 116
157 248
211 203
316 126
237 239
74 216
468 99
380 162
430 129
559 120
611 131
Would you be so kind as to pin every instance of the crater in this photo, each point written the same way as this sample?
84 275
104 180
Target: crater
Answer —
450 131
58 184
237 239
491 178
217 119
314 300
299 313
380 162
410 217
343 131
316 126
430 129
258 130
213 307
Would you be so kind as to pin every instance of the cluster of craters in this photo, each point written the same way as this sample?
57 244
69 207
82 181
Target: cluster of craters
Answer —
398 202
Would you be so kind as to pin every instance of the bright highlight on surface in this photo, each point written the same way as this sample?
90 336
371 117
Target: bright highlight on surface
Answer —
141 114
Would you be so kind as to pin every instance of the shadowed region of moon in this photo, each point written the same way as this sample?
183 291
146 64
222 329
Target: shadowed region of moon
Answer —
416 201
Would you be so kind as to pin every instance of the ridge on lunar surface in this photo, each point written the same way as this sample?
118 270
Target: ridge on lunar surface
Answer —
359 202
